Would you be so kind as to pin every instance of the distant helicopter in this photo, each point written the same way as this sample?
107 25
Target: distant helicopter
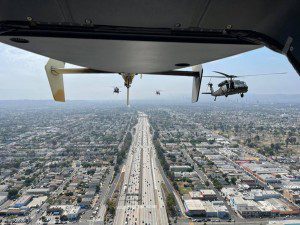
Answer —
116 90
157 92
230 86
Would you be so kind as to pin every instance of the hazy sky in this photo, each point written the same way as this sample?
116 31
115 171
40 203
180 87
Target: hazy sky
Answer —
23 77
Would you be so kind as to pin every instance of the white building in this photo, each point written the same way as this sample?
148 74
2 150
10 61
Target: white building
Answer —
194 207
71 211
38 191
37 202
3 198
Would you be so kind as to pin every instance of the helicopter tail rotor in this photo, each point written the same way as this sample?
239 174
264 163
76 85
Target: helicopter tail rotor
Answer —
209 85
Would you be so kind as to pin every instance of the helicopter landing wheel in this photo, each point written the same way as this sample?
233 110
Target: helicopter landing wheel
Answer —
242 95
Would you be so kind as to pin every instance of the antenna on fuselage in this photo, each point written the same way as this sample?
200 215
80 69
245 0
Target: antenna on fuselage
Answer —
127 102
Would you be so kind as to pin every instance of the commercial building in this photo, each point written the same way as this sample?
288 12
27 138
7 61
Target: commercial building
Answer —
215 209
229 192
185 174
221 209
38 191
86 202
179 168
204 194
22 201
269 178
245 179
3 188
210 210
282 207
249 211
208 194
292 196
37 202
71 211
14 212
194 207
259 195
3 197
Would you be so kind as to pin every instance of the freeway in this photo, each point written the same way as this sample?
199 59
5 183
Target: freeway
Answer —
141 198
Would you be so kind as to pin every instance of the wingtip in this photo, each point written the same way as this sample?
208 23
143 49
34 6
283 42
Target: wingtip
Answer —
59 96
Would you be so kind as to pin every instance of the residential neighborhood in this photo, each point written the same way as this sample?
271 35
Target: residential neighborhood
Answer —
71 165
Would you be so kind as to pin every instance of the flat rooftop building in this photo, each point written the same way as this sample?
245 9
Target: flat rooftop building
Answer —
38 191
3 199
194 207
178 168
37 202
204 194
22 201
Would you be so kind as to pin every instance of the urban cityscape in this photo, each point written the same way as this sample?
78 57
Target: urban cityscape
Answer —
87 162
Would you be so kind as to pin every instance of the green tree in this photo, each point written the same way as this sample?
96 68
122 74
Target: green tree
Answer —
111 206
63 218
233 180
217 184
44 219
12 193
171 203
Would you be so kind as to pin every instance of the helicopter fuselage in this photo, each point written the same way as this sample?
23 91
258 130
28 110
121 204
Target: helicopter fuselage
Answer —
116 90
230 87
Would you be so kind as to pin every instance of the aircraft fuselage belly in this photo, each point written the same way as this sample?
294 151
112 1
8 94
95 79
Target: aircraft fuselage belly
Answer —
221 92
127 56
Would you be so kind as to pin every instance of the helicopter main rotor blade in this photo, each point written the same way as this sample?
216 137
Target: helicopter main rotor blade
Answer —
226 75
261 74
215 76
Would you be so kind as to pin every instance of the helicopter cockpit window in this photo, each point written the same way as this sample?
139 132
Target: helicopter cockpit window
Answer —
238 83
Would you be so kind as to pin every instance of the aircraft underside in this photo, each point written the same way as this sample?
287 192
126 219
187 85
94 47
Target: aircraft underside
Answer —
150 36
231 92
147 37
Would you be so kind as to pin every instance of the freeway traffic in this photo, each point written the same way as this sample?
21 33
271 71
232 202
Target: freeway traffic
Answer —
141 198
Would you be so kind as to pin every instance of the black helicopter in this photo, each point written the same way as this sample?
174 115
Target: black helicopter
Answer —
230 86
116 90
157 92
